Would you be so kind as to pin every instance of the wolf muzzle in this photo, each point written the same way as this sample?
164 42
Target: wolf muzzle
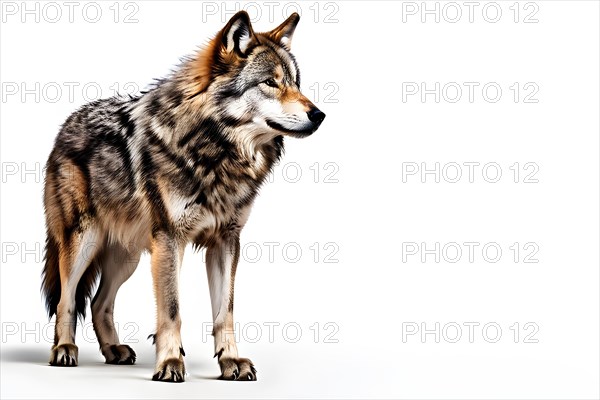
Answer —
316 116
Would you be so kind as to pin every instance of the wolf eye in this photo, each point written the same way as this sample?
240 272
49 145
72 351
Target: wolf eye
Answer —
270 82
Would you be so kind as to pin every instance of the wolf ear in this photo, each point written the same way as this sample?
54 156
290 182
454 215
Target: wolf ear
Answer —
238 34
284 32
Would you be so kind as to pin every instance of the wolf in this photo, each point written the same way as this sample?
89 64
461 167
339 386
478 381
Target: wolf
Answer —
179 164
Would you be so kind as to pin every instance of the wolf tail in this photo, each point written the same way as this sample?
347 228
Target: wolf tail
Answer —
51 280
51 276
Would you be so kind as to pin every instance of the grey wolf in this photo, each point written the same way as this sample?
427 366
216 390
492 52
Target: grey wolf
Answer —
180 163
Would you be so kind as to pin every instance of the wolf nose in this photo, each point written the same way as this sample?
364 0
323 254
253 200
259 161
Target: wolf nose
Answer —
316 116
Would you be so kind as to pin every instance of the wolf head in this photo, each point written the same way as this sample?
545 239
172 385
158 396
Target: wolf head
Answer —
254 80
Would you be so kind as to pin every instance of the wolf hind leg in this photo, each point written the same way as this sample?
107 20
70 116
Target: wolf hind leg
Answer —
75 256
117 265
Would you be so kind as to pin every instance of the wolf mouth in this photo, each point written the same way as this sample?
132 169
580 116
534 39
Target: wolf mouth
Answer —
295 132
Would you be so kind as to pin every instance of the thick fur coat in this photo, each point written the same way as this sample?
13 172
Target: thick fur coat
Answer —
181 163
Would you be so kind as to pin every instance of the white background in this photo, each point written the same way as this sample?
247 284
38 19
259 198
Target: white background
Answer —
366 54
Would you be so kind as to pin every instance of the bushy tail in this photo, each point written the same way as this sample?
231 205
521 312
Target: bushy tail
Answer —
51 276
51 281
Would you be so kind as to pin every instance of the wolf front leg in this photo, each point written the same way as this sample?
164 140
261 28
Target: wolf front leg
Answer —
167 255
221 263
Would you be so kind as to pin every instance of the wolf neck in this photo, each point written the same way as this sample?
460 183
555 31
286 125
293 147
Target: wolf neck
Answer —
195 129
183 123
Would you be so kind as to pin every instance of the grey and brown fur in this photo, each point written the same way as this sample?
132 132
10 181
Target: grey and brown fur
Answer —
182 163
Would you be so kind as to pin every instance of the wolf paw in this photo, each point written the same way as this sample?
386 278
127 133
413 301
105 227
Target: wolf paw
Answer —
237 369
119 354
64 355
170 370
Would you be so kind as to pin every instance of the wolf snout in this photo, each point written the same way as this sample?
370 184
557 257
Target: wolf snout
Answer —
316 116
